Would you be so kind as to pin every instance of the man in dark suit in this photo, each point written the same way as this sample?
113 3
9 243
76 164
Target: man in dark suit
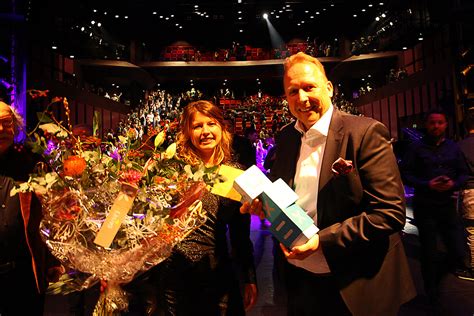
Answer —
355 264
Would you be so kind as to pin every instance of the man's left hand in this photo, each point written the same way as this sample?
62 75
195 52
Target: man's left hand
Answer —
302 251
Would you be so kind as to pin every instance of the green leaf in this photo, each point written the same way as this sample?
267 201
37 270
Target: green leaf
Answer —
43 118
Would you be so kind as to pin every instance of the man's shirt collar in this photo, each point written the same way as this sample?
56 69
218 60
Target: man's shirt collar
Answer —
320 128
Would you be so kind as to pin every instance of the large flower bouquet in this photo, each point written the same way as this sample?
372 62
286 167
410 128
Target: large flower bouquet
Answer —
111 211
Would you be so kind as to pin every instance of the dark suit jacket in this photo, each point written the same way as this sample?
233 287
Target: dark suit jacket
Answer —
359 214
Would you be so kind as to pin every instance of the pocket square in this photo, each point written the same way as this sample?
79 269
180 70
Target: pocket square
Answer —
342 166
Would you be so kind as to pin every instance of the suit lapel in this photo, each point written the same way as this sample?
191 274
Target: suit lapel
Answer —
332 150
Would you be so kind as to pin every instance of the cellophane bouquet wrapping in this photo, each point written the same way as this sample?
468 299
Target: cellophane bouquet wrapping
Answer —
80 183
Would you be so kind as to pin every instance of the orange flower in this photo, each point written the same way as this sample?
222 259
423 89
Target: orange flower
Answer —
74 166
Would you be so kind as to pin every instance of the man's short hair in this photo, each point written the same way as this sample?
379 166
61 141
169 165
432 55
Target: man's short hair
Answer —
436 111
302 57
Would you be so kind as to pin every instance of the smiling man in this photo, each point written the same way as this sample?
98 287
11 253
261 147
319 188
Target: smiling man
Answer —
355 264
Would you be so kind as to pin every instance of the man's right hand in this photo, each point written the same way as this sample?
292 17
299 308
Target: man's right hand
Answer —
441 183
255 208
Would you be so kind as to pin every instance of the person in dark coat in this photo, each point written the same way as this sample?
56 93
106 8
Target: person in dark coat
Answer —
26 265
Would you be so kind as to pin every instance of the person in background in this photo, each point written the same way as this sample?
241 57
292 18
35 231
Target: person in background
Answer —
243 149
435 168
26 265
356 263
198 278
467 194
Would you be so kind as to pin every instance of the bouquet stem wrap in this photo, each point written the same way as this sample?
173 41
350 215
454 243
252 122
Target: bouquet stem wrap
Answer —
73 219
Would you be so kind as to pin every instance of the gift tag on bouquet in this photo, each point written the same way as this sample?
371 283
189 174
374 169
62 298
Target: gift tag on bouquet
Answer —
122 204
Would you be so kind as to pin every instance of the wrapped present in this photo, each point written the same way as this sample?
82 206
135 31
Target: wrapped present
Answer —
289 223
292 226
276 197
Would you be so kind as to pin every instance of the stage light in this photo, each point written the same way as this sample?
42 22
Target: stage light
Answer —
265 16
99 24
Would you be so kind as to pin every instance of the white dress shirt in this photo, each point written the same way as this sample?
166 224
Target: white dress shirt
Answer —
308 170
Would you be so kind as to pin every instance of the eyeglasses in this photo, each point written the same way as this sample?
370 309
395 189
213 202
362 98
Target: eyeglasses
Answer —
6 123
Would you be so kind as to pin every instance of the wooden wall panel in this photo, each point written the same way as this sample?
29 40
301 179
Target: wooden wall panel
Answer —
106 121
433 96
81 119
401 104
73 114
409 103
89 114
393 116
115 120
425 101
384 112
416 100
376 110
